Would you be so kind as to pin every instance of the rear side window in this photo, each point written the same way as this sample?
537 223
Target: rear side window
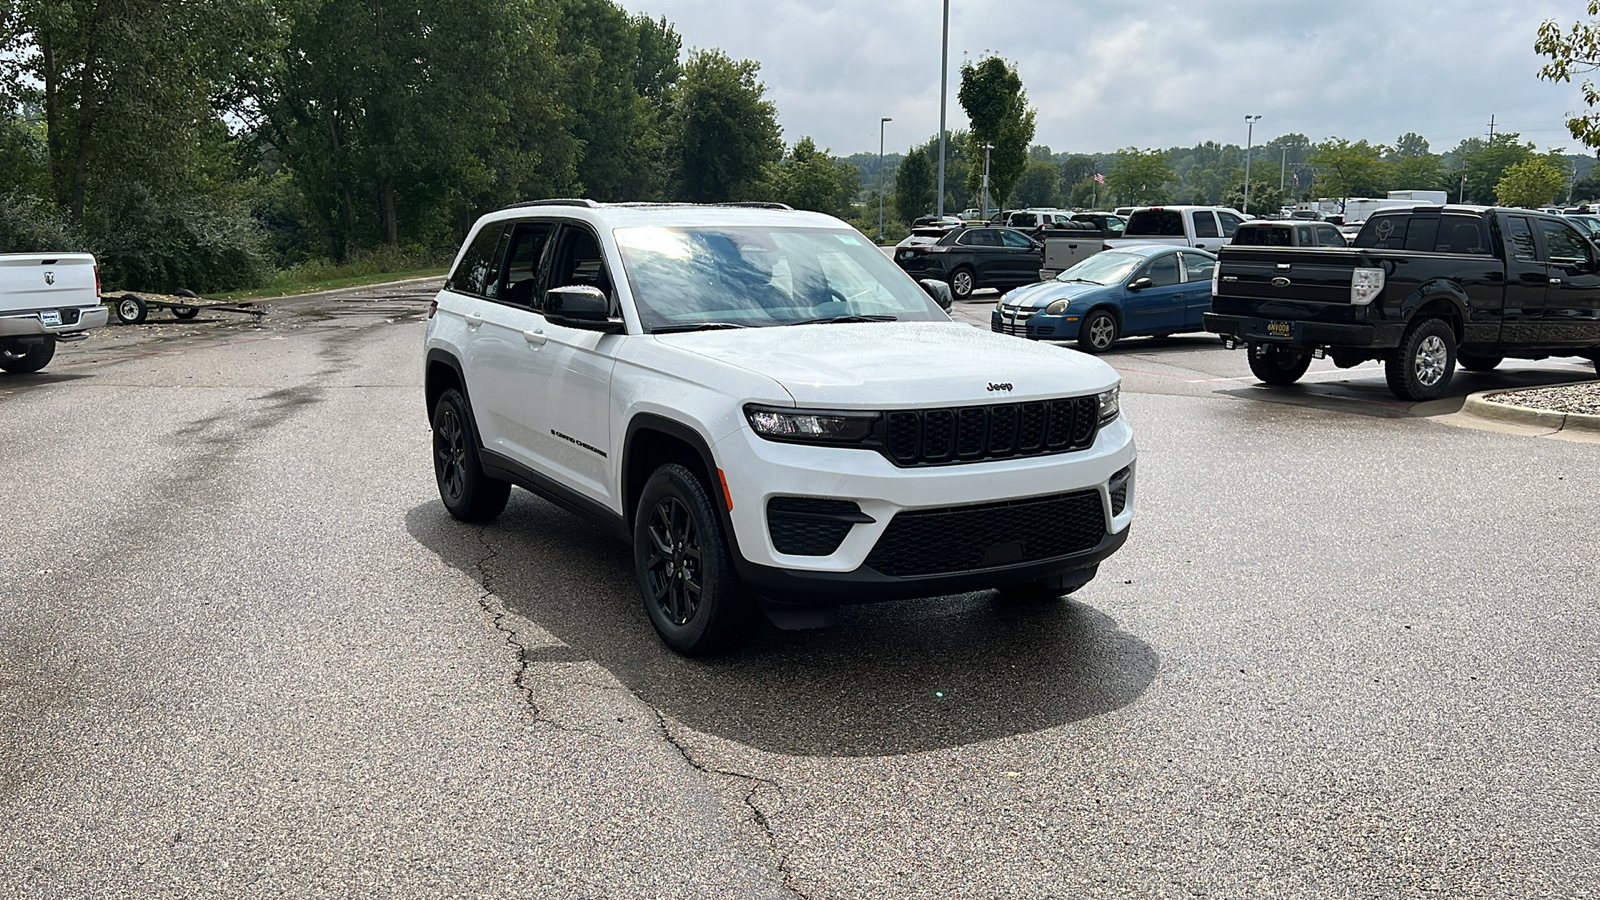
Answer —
1303 235
980 237
1465 234
1197 267
1519 237
1012 239
1155 223
1262 236
1205 224
1163 270
479 270
1389 232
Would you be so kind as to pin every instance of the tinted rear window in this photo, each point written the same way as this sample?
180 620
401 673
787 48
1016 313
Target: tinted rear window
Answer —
1155 223
1262 236
1449 233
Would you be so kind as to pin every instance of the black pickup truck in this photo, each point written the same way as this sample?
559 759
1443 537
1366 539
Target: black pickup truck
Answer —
1421 289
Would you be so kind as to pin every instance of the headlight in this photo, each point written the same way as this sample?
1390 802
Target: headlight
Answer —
1110 404
810 426
1057 308
1000 307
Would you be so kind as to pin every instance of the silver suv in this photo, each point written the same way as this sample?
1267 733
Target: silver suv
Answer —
776 417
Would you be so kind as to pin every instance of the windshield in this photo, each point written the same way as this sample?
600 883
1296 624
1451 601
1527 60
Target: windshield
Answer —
755 276
1106 267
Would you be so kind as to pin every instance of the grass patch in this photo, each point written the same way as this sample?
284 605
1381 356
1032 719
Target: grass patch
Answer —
287 288
372 267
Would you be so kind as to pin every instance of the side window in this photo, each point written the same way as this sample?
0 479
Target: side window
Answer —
1205 224
1230 223
1163 270
477 272
1329 237
1302 234
523 253
1519 238
1424 234
1012 239
1465 234
577 261
980 237
1565 244
1197 267
1385 233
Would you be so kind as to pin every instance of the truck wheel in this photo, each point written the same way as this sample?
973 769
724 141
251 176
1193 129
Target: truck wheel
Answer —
1097 332
690 591
15 356
1479 363
131 309
962 283
467 492
1421 368
1278 365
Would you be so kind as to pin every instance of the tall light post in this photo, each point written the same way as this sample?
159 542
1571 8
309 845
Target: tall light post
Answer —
1249 136
881 123
984 212
944 82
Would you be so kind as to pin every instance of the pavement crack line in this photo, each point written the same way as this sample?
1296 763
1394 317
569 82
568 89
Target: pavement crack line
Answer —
756 783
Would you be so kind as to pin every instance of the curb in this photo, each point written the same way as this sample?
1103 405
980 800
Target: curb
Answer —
1481 406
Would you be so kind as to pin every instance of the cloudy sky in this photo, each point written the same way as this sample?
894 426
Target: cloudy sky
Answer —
1107 75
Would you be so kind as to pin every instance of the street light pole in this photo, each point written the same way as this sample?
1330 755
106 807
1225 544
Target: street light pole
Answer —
984 214
881 123
1250 131
944 81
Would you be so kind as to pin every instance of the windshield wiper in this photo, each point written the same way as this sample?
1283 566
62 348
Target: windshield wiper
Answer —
697 326
1082 281
831 320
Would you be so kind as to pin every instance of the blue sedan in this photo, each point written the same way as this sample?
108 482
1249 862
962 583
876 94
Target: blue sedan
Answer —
1139 289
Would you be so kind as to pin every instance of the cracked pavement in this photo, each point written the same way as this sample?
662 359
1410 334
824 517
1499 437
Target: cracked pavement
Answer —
1348 652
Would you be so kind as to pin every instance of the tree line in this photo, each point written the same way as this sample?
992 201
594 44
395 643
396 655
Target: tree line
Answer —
205 145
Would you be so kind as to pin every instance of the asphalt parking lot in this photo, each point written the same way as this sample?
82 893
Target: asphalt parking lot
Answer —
1348 651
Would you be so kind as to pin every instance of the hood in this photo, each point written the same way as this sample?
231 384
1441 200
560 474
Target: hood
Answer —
873 365
1038 296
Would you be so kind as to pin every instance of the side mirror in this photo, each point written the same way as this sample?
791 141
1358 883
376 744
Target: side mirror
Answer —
580 306
939 291
1139 284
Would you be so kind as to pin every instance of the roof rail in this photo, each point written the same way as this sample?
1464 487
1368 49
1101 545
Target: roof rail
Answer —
559 201
754 204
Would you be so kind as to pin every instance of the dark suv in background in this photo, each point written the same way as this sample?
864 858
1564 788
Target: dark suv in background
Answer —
971 258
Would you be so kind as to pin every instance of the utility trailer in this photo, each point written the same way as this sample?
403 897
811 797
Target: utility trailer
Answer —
133 309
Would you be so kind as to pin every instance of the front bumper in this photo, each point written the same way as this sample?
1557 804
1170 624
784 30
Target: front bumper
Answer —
758 470
1254 329
72 319
1038 326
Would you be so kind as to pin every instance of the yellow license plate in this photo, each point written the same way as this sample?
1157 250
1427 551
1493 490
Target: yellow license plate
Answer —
1280 329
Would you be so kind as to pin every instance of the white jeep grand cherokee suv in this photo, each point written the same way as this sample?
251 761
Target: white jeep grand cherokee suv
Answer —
775 415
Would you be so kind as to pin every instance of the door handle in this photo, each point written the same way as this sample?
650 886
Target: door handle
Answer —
1555 281
535 337
473 321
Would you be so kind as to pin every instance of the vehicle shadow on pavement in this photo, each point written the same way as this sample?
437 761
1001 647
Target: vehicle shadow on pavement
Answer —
890 678
1364 392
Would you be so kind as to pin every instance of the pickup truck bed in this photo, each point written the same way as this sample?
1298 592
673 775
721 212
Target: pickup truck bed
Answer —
45 299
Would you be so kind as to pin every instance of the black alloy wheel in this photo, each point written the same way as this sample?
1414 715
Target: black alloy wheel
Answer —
1421 367
1276 364
15 356
682 565
465 490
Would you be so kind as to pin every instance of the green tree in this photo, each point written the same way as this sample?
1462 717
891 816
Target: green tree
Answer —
723 133
914 187
1409 146
997 109
1574 51
1264 196
1486 163
1423 171
1040 185
1530 183
1075 167
1140 177
813 179
1349 170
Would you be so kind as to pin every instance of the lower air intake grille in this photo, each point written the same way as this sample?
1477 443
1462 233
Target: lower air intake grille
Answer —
970 538
810 526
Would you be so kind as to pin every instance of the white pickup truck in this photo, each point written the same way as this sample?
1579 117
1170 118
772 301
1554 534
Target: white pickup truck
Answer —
1205 227
45 298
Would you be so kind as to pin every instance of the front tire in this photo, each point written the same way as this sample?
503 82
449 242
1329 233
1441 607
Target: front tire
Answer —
681 563
1098 332
1278 365
23 359
466 491
1421 368
962 283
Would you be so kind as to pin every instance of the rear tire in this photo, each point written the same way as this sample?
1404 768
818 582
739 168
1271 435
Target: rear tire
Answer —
466 491
962 283
1479 363
24 359
1421 367
1278 365
683 568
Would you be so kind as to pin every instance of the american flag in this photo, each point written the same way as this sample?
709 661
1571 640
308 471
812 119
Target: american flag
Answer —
1297 179
1099 179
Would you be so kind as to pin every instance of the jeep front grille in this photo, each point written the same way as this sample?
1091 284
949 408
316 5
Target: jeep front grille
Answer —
930 437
